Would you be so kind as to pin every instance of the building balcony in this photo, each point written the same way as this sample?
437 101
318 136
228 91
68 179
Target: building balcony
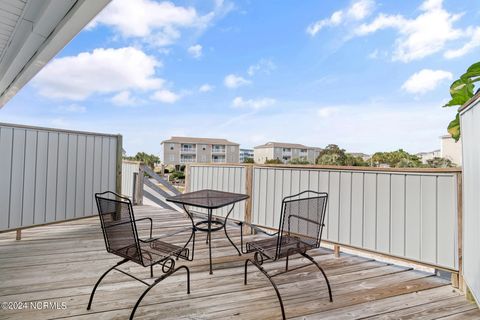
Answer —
188 160
188 150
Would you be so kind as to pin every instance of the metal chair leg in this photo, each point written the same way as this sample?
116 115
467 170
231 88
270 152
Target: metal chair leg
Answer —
156 282
269 279
100 280
323 272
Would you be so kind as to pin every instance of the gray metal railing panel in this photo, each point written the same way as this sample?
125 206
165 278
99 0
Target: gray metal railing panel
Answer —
410 214
49 175
224 178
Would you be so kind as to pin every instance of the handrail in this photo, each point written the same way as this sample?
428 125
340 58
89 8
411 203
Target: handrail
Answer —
160 180
339 168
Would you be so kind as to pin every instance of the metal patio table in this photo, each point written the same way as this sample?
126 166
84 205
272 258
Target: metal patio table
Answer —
210 200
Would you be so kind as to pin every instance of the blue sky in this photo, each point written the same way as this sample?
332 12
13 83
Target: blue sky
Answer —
367 75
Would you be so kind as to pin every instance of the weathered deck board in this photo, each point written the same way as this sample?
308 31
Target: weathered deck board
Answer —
60 263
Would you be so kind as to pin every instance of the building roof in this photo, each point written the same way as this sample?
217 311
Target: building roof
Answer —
358 154
199 141
470 102
33 32
282 145
427 152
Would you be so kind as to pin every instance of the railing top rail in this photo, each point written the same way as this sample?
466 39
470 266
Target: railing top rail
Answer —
159 179
339 168
21 126
132 161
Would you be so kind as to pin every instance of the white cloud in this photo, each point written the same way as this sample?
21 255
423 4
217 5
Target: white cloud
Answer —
425 80
327 112
233 81
378 54
206 88
124 98
421 36
195 51
468 47
72 108
158 23
101 71
359 10
260 103
165 96
335 19
264 66
373 54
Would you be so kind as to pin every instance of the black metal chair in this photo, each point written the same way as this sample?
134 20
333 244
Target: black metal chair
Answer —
301 224
119 228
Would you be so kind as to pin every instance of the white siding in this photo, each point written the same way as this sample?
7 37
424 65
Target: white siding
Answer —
470 120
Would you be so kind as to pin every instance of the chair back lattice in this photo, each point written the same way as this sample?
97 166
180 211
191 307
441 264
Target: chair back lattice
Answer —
118 225
303 217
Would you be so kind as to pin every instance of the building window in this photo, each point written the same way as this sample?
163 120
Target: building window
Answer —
303 150
172 158
204 147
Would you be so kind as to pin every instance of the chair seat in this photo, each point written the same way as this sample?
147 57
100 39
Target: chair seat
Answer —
290 245
154 251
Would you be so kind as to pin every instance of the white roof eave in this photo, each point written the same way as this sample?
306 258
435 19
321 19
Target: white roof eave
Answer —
33 45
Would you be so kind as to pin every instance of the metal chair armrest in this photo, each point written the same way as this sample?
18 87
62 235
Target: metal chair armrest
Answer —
175 232
257 228
148 240
253 226
151 224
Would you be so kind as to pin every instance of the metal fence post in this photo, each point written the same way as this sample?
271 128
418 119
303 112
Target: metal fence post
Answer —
139 185
118 182
187 178
249 191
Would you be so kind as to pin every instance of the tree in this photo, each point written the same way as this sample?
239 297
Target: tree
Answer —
273 161
332 155
396 159
248 160
177 175
353 161
439 162
462 90
147 159
299 161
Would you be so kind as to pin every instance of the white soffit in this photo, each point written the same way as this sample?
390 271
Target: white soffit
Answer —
32 32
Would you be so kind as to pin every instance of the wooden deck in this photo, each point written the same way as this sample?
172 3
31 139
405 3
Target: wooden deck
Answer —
60 263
